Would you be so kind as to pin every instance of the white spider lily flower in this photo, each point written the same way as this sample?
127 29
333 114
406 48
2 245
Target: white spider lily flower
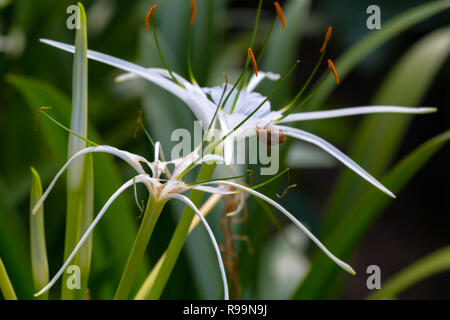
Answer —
204 101
163 190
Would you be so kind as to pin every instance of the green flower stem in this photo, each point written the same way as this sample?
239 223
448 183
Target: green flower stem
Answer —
5 284
151 215
164 269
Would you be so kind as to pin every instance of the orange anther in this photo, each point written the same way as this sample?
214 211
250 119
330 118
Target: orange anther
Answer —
332 69
280 14
37 115
327 38
285 191
149 16
252 59
192 18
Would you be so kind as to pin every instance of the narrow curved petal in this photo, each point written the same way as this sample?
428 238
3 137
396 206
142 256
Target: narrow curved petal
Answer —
212 190
255 80
189 203
321 143
193 96
126 185
339 262
126 66
160 71
344 112
132 159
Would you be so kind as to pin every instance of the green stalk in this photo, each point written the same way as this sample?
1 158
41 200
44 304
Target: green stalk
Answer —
39 262
162 271
5 284
79 174
151 215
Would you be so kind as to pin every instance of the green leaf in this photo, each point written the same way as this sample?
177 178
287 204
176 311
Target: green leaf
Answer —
5 284
345 236
39 262
351 58
80 205
436 262
379 136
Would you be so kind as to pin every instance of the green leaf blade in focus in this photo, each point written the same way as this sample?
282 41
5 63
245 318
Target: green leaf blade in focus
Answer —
79 174
39 261
5 284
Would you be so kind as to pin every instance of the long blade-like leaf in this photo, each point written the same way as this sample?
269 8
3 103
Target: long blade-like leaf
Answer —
39 262
5 284
79 175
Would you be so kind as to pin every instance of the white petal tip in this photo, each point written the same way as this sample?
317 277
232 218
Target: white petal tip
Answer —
232 214
429 109
347 268
39 293
390 194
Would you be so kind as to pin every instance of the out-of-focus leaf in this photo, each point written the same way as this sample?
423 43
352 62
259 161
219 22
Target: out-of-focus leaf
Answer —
379 136
5 284
346 234
351 58
107 176
436 262
39 262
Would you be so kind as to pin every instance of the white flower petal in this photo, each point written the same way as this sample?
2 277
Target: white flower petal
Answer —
125 65
255 80
339 262
193 96
212 190
344 112
321 143
126 185
132 159
228 145
189 203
